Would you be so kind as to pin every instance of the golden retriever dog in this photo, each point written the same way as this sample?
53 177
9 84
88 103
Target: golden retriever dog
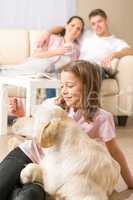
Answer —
75 167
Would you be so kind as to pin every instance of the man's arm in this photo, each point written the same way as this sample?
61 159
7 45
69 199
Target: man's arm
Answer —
123 52
106 62
56 30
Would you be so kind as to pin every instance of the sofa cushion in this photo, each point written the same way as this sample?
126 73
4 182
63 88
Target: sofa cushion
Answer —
14 46
109 87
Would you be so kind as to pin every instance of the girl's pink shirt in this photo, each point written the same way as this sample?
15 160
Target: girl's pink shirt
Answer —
102 128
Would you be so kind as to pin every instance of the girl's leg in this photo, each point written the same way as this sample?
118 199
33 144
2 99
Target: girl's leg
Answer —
28 192
10 169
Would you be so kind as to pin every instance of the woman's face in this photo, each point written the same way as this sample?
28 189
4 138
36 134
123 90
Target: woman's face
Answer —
74 29
71 89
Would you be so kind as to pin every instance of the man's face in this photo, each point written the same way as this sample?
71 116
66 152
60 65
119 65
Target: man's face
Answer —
99 25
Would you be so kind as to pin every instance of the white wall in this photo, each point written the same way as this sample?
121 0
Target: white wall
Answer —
35 13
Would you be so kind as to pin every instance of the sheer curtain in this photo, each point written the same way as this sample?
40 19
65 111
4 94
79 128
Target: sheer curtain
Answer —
35 14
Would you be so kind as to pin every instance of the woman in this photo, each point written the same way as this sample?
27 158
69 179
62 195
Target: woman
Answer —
80 87
55 51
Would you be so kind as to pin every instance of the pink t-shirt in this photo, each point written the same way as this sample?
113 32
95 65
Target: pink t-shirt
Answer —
102 128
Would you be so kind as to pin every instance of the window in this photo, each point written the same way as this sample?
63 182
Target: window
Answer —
35 13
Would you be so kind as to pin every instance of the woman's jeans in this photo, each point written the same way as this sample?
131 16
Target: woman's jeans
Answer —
10 186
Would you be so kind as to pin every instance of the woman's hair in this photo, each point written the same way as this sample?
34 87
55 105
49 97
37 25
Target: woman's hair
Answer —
90 76
99 12
62 32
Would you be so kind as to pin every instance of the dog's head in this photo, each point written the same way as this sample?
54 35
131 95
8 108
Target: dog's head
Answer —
57 129
52 126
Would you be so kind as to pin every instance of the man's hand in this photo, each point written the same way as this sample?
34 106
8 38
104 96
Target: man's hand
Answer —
106 62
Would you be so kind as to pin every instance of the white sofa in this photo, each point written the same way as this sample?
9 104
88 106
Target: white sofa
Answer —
116 94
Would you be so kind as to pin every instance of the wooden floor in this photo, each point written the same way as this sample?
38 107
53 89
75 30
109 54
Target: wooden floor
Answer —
125 139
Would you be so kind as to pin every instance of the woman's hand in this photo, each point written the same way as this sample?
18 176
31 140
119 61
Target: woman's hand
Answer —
62 51
50 53
43 39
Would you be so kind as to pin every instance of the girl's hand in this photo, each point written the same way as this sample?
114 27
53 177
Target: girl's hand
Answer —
59 100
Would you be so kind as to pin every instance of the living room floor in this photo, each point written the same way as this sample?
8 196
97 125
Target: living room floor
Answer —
125 139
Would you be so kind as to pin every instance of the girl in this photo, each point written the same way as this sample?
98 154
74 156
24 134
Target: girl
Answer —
80 87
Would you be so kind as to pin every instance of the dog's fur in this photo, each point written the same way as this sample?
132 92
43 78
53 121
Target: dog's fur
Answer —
75 167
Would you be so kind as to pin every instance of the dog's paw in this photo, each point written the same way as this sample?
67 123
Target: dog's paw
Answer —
31 173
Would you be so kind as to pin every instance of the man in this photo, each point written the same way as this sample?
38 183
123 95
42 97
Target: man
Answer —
101 46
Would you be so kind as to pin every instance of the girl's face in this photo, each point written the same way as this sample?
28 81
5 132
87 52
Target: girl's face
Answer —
74 29
71 89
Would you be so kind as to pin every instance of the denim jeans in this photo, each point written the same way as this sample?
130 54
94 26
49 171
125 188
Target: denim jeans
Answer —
50 93
104 74
10 185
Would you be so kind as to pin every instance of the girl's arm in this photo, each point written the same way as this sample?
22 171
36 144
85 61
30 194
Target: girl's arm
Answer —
118 155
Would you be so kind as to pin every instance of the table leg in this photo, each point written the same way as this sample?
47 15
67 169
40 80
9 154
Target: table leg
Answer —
30 99
3 109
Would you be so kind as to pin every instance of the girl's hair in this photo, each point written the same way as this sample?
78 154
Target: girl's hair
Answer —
90 76
62 32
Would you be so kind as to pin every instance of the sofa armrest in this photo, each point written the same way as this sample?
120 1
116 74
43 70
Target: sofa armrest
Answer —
125 74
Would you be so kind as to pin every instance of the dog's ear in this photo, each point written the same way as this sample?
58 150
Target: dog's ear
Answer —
49 133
